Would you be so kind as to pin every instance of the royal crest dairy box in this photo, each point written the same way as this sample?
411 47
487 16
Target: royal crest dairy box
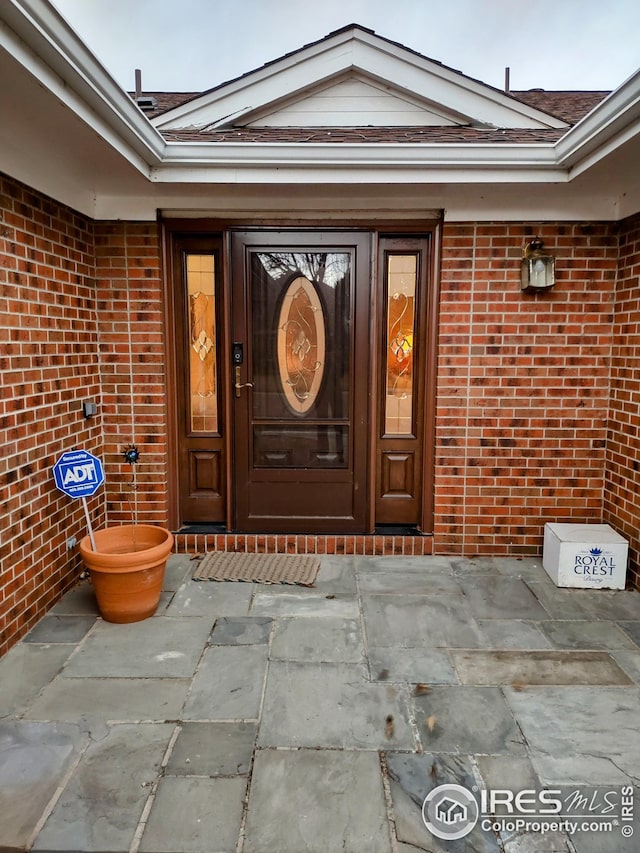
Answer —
589 556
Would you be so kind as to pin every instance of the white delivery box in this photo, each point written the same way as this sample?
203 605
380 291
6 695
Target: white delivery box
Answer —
588 556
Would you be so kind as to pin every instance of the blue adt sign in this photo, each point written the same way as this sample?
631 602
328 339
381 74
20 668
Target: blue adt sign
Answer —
78 474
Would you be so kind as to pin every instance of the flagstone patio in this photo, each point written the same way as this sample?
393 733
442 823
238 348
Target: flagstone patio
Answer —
274 719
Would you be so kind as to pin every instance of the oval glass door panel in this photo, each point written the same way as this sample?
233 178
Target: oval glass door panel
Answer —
301 345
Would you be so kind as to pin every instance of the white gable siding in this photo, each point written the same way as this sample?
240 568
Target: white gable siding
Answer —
352 103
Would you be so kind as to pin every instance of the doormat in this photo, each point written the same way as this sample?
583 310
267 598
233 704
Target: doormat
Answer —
298 569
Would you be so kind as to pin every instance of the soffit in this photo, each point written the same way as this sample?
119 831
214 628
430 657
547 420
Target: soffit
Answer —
49 147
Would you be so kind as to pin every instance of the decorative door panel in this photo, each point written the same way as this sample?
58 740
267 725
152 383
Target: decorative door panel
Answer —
301 375
199 411
403 270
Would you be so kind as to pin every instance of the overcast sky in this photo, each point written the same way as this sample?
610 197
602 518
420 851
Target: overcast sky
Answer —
193 45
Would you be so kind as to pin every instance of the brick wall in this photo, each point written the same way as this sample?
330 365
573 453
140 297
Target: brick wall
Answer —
132 361
48 366
80 319
622 478
522 386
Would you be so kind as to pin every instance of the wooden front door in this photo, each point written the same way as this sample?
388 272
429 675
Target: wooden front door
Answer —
300 347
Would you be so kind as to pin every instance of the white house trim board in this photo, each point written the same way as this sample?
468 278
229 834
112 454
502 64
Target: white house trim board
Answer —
284 202
343 162
355 50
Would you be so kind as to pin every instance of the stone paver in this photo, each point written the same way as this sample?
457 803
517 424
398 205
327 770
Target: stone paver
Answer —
241 631
92 700
513 634
211 599
178 570
606 604
441 620
405 582
331 705
210 813
101 805
426 565
411 778
255 718
228 685
25 671
518 567
586 635
60 629
428 666
468 720
336 576
34 758
326 801
630 662
304 603
213 749
154 648
537 667
581 735
562 603
632 629
507 772
79 600
501 598
310 639
606 842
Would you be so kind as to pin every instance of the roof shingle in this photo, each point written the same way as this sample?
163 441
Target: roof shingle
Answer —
568 106
409 135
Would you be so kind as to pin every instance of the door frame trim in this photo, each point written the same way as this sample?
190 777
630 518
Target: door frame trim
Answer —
171 228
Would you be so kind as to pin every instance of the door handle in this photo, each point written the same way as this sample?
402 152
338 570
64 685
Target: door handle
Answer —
240 385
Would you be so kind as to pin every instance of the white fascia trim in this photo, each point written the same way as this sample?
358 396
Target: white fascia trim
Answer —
609 125
354 162
467 155
38 37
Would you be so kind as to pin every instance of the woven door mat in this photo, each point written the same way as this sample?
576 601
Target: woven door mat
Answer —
300 569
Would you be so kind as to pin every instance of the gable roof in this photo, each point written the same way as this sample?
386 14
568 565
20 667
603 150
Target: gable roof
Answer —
495 155
353 77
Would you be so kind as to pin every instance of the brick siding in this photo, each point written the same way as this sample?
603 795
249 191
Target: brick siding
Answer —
132 363
622 474
48 365
527 431
522 386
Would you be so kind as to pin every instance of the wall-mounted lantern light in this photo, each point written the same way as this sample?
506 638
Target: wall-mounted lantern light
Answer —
537 267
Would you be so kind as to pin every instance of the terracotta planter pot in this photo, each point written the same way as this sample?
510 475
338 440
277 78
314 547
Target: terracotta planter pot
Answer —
127 569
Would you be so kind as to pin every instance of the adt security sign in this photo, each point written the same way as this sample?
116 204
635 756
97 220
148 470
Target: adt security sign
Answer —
78 474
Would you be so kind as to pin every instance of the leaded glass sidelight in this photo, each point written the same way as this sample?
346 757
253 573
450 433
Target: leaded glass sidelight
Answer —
401 275
202 339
